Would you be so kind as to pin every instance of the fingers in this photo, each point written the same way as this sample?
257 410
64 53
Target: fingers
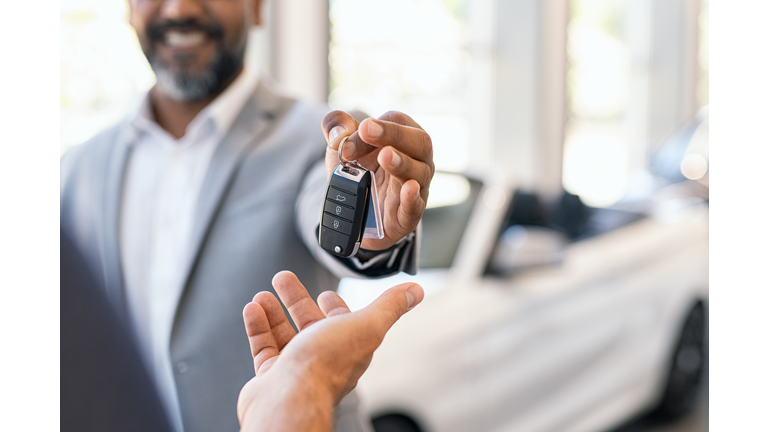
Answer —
394 141
404 149
281 328
413 201
392 129
404 168
402 210
331 304
336 125
260 338
382 313
296 299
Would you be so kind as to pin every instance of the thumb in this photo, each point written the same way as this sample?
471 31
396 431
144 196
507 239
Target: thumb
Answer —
383 312
337 124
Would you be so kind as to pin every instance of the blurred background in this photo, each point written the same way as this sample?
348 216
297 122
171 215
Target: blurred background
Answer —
515 82
602 100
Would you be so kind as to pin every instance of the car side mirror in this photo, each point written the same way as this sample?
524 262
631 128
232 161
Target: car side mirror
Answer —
526 246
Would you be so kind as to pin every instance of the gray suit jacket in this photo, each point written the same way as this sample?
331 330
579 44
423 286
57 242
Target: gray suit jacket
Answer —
257 214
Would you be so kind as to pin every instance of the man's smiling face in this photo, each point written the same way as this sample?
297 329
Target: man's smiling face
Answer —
195 47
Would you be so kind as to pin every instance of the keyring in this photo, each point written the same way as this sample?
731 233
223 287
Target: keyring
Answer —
341 144
352 163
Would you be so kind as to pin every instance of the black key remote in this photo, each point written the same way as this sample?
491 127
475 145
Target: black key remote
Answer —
345 210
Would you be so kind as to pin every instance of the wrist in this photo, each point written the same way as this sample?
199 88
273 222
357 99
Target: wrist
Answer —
310 409
280 401
372 247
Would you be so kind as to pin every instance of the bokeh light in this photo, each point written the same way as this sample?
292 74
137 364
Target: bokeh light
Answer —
494 197
694 166
447 189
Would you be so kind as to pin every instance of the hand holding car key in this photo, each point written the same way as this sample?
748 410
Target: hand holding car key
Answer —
397 154
351 208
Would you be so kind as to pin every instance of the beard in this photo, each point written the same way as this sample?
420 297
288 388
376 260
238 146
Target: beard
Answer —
189 86
194 85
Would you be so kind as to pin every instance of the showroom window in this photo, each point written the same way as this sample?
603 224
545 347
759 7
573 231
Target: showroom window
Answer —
405 55
103 71
598 82
533 89
637 72
702 87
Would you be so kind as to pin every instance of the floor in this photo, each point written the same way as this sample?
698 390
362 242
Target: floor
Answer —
693 422
696 421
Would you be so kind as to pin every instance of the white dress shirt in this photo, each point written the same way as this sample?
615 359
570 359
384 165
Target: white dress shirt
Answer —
161 186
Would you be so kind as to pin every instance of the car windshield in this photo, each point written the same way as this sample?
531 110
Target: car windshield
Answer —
451 200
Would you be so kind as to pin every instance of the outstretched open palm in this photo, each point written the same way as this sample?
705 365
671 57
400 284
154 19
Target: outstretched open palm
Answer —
324 360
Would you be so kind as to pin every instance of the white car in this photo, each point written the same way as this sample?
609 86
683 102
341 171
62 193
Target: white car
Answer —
559 318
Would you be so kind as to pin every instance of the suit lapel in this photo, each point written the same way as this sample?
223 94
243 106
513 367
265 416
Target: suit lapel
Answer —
247 131
113 186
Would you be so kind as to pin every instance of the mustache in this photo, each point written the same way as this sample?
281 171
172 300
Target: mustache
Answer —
156 31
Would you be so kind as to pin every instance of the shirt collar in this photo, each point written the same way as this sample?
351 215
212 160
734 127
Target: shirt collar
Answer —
223 110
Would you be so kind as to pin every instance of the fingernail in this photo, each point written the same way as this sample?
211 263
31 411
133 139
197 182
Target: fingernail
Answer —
335 132
412 293
374 129
396 159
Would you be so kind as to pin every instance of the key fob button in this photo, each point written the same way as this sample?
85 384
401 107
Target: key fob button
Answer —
342 197
337 224
340 210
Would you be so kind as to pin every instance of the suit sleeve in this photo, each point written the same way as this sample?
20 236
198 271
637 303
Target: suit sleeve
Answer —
402 257
104 383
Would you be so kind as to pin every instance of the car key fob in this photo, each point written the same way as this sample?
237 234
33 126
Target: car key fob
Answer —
345 210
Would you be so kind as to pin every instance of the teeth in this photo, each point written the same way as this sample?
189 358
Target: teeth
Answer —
184 40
